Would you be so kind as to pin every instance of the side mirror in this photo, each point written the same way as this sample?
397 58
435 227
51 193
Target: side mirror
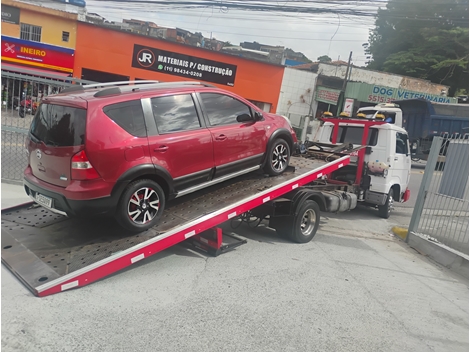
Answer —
258 116
244 118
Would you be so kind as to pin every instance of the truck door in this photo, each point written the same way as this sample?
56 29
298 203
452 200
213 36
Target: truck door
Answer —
401 161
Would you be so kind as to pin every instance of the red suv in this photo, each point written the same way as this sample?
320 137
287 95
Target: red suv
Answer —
125 148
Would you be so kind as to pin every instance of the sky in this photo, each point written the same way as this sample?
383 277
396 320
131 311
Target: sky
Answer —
335 35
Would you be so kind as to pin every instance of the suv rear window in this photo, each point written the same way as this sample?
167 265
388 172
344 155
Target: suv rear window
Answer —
59 126
129 116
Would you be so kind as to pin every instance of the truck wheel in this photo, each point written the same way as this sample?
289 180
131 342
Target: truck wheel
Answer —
386 209
141 206
277 157
305 224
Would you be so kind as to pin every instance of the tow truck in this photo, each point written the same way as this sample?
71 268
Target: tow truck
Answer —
51 253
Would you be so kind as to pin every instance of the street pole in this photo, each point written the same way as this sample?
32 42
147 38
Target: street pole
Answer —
345 83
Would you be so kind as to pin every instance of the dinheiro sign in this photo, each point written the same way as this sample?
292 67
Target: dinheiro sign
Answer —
381 94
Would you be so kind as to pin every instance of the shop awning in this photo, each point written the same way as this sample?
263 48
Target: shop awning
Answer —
39 72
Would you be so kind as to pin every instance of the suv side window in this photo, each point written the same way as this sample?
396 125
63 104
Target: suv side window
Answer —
402 144
129 116
222 109
175 113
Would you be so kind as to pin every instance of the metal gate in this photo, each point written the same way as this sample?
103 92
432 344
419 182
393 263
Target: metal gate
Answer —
21 95
442 208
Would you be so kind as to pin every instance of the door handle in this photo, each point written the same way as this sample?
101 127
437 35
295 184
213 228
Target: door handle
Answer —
221 137
396 159
162 148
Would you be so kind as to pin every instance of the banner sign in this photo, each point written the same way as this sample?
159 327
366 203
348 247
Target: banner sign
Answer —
329 96
380 94
183 65
37 54
10 14
348 106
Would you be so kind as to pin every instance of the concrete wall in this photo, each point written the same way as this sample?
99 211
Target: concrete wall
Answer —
297 92
382 79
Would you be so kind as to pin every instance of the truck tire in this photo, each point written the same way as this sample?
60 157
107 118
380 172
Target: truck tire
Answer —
304 225
386 209
141 205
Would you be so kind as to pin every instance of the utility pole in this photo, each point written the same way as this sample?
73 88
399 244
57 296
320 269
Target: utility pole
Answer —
345 83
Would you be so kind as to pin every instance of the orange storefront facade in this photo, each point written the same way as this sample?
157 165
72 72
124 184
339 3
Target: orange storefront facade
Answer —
104 54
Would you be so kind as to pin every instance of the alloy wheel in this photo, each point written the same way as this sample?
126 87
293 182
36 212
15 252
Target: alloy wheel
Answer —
279 157
143 205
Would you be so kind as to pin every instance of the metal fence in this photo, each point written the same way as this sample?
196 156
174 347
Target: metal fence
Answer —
442 208
21 95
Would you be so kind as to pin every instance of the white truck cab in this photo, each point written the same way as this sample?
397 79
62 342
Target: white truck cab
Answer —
385 164
389 110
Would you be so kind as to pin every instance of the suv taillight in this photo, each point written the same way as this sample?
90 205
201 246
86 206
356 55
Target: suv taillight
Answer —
82 168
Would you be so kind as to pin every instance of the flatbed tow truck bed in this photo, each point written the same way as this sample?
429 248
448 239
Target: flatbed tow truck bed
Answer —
51 253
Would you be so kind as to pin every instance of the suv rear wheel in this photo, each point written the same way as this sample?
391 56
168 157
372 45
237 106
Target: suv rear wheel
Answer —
278 157
141 205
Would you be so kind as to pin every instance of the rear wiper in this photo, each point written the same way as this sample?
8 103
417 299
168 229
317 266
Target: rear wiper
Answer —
51 143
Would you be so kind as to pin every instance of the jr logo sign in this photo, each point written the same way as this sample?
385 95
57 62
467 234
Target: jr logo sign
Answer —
145 58
183 65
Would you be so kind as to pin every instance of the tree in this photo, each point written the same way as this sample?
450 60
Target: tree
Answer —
324 58
426 39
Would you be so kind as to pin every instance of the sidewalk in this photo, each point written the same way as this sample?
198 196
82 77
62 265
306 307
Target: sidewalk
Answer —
12 195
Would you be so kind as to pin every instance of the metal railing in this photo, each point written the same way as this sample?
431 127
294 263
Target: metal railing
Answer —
442 207
21 95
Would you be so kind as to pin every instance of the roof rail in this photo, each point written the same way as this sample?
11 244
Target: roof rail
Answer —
76 88
119 83
127 88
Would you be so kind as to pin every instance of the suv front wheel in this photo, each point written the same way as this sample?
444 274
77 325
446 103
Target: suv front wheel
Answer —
141 205
277 158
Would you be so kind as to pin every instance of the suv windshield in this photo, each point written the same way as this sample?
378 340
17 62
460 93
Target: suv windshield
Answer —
59 126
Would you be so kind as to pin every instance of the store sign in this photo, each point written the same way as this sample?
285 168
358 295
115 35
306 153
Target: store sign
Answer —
328 96
380 94
37 54
10 14
183 65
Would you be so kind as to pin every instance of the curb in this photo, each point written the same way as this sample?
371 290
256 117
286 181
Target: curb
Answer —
400 232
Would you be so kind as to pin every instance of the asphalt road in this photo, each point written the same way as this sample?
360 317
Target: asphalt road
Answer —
355 287
348 292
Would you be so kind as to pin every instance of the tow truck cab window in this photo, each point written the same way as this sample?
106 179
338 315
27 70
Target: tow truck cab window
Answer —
389 116
401 144
353 134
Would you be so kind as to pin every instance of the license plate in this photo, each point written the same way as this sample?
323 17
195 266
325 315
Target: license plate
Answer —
43 200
